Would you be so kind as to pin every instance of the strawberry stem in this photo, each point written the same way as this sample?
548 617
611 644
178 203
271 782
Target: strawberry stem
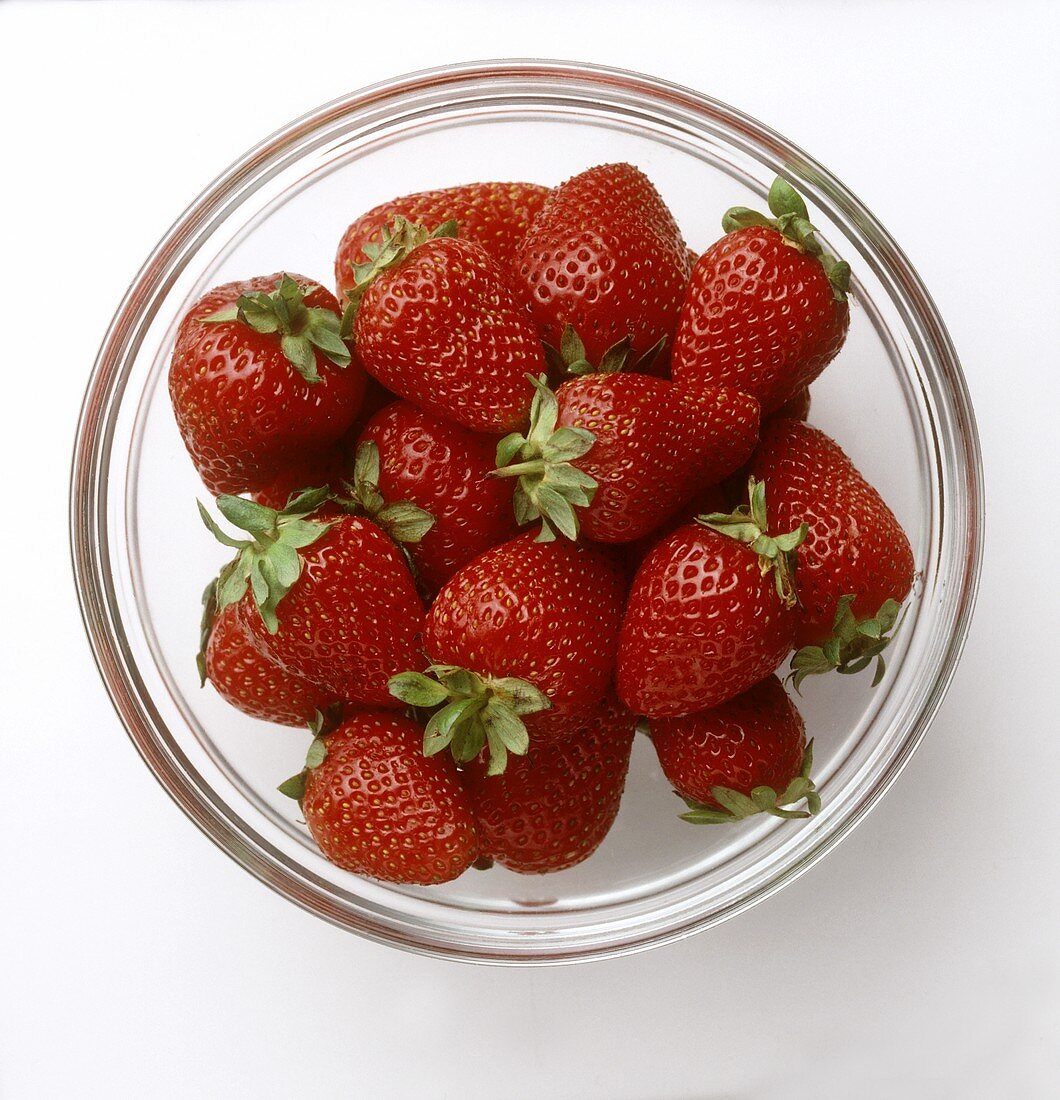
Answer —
550 486
471 712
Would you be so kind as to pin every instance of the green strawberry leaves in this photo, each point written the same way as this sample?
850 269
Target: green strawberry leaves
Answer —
569 359
301 328
550 487
853 646
792 218
268 561
735 805
402 520
209 614
749 524
473 712
399 239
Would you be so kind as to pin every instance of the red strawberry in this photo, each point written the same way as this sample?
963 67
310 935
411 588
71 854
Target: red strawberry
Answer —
260 375
525 628
312 470
766 310
626 450
746 756
436 323
493 215
246 678
797 407
605 256
443 469
330 599
375 805
708 615
854 548
552 808
331 468
712 498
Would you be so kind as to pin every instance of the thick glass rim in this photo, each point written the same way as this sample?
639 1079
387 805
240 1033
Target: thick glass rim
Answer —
960 487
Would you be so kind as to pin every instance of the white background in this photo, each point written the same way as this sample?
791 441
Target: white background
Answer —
919 958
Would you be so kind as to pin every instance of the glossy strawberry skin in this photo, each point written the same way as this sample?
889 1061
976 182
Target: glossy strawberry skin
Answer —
352 619
251 682
547 612
655 446
443 331
702 624
710 498
756 739
760 316
378 807
443 469
854 544
553 807
604 255
493 215
243 410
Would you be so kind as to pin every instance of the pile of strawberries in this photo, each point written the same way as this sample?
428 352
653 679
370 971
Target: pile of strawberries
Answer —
535 473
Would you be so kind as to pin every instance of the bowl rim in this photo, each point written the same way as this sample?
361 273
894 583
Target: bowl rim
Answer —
88 512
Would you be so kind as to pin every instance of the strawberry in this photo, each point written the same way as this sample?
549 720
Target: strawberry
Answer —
605 256
375 805
443 469
331 467
436 323
709 613
552 808
259 375
746 756
493 215
313 469
329 598
856 565
766 309
712 498
528 627
797 407
246 678
626 450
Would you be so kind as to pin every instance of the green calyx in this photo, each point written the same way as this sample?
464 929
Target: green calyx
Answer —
268 561
792 218
853 646
209 614
321 724
570 358
399 239
749 524
735 806
300 328
402 520
471 712
550 487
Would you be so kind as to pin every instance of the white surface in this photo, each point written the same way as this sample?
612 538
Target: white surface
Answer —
922 956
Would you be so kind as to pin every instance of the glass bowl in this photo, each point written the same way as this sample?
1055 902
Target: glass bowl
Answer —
895 399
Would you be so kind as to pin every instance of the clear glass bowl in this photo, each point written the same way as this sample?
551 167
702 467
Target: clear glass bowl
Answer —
895 398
